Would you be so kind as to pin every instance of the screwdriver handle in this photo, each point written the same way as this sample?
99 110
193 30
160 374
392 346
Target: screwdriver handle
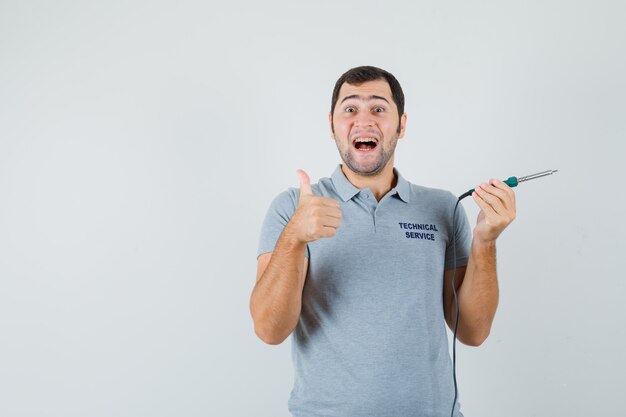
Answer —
511 182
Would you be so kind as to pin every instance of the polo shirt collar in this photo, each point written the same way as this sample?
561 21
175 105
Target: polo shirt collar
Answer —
402 187
347 190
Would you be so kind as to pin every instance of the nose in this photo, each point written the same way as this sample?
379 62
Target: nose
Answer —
364 119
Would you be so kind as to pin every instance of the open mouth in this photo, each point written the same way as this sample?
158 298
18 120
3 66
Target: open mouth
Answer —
365 144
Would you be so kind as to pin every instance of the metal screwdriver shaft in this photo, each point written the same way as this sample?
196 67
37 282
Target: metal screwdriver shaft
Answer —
537 175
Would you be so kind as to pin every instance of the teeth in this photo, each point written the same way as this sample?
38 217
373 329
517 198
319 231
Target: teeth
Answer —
365 140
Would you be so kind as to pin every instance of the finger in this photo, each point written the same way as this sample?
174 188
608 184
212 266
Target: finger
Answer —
497 193
330 202
490 198
501 185
484 206
331 222
305 183
328 232
325 211
334 212
509 198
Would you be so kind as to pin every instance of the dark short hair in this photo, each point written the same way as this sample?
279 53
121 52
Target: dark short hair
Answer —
359 75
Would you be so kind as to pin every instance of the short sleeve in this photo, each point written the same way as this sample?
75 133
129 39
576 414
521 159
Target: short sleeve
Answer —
463 239
278 215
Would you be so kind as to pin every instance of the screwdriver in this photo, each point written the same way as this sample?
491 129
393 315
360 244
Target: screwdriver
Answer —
514 181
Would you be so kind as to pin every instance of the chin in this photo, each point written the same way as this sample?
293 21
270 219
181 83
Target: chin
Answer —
366 171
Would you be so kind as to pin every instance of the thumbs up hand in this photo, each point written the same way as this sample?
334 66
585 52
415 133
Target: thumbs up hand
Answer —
315 216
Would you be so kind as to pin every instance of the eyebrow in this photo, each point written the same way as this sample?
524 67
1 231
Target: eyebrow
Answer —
356 96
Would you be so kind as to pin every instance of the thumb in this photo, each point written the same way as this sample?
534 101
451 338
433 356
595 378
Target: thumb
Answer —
305 183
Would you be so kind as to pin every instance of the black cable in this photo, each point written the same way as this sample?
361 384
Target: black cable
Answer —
456 302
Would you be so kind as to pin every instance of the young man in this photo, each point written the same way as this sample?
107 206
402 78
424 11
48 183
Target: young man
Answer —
359 268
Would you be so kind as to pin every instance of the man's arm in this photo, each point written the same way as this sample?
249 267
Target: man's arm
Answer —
477 284
477 292
276 299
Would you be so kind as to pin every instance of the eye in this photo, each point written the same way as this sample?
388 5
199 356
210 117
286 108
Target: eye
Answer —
379 109
350 110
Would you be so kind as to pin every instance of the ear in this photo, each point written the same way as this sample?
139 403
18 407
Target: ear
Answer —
402 126
330 125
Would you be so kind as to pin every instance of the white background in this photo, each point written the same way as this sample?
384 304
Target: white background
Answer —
142 142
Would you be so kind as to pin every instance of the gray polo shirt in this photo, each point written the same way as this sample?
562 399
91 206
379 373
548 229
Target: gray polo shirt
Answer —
371 338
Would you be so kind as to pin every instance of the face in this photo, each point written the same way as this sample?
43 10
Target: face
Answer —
366 126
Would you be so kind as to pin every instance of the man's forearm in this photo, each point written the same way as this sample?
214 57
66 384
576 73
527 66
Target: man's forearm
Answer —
478 294
276 300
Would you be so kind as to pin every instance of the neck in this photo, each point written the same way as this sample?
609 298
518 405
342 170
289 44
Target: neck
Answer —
379 184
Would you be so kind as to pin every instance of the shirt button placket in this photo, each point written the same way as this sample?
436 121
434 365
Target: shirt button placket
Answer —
371 202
